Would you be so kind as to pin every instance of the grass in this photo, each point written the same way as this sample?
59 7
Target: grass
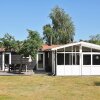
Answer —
40 87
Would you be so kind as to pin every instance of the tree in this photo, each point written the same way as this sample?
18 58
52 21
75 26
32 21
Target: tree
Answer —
95 39
48 33
18 45
32 44
8 42
62 28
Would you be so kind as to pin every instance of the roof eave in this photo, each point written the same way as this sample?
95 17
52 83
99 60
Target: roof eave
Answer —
85 44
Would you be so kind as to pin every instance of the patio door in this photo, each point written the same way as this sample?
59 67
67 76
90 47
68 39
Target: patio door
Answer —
40 61
6 60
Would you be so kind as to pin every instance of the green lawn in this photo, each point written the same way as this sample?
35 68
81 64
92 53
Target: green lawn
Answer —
40 87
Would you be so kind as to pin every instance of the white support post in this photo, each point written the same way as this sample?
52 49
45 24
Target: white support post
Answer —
53 62
37 61
9 58
81 58
64 56
81 55
72 55
75 56
3 66
91 58
56 62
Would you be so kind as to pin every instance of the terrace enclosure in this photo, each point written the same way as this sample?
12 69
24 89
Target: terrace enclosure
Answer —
79 58
9 57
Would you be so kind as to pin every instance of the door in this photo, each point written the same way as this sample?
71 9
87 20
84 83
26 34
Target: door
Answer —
40 61
6 60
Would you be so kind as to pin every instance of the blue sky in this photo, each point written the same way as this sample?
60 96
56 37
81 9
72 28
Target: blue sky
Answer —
18 15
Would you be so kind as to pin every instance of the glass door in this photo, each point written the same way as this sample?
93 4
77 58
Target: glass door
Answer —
7 60
40 65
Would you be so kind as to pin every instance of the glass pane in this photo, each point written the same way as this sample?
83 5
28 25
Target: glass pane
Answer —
85 49
60 50
94 50
69 57
60 59
86 59
40 60
75 58
96 59
6 58
68 49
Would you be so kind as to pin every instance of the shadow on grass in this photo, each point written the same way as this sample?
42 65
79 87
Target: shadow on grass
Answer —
97 83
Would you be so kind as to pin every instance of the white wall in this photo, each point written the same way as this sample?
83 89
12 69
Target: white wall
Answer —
95 70
86 70
63 70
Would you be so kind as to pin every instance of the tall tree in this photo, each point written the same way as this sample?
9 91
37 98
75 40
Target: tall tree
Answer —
48 33
32 44
62 28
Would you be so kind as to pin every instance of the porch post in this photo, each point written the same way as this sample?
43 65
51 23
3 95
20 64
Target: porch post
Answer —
91 60
55 62
36 61
75 56
81 58
3 67
9 58
72 55
64 56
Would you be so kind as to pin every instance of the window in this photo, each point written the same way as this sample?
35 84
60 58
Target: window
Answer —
69 58
60 59
86 59
96 59
76 59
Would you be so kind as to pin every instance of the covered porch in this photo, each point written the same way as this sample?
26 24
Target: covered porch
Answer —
76 59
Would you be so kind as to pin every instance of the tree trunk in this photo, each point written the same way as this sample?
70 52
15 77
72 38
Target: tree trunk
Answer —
50 40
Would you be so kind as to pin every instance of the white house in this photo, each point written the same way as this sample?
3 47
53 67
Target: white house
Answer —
80 58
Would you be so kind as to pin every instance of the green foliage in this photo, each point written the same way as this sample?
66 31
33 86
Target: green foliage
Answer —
95 39
32 44
61 30
19 45
48 33
27 47
8 42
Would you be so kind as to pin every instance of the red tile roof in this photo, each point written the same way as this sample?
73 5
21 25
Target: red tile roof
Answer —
46 47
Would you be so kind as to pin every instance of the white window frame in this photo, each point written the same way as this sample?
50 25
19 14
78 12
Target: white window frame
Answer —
43 61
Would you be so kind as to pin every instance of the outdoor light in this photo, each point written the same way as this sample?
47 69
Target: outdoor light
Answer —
97 57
